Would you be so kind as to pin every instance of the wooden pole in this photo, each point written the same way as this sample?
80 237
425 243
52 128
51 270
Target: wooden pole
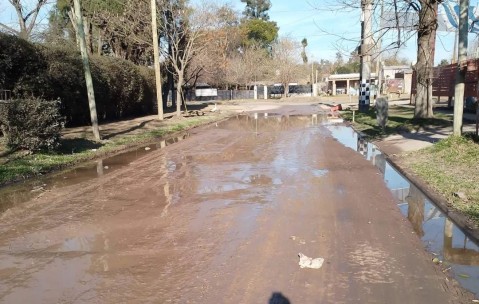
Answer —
86 67
156 55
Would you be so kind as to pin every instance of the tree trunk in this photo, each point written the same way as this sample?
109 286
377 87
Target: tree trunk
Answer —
425 58
461 68
179 89
286 90
86 66
87 29
156 55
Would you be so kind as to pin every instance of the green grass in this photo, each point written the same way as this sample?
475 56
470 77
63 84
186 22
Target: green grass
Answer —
17 166
451 166
401 119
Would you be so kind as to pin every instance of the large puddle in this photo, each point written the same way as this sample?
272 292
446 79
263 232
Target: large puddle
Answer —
441 237
22 192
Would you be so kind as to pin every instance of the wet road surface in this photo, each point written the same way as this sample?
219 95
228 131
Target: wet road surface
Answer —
220 217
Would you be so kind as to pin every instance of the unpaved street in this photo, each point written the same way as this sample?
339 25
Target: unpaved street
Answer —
220 217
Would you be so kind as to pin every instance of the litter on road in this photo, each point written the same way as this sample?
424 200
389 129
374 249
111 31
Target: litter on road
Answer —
307 262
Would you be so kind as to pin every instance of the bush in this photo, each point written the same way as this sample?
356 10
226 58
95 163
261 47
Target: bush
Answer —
22 67
122 89
31 124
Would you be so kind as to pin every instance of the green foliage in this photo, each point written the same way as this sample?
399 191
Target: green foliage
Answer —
443 62
31 124
258 31
127 88
20 62
122 89
347 68
450 166
257 9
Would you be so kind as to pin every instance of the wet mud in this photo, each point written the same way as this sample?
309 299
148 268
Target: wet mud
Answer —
220 217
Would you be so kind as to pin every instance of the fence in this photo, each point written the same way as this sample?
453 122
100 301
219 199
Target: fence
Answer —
444 78
5 95
273 92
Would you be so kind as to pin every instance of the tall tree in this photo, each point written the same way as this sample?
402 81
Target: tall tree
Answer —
426 41
27 18
461 68
86 66
304 44
259 32
257 9
156 58
117 28
183 29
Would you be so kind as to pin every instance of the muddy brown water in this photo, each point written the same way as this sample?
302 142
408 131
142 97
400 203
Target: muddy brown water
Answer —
220 217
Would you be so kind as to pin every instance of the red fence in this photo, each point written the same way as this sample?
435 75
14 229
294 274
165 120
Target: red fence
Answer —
444 79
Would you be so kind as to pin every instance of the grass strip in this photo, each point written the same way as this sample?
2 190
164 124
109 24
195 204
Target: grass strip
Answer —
400 119
451 167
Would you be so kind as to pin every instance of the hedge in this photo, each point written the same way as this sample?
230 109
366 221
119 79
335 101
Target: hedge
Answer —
31 124
122 89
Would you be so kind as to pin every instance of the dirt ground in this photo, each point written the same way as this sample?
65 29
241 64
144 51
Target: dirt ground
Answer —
220 217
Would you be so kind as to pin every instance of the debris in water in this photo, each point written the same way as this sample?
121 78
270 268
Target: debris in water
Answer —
307 262
464 276
436 261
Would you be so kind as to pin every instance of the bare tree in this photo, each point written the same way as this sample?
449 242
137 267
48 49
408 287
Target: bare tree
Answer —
27 18
286 67
184 31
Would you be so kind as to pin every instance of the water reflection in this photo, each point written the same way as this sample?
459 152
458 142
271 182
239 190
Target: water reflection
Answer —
439 234
23 192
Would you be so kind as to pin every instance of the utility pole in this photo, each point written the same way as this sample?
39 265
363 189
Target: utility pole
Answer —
365 56
379 73
461 67
86 67
156 55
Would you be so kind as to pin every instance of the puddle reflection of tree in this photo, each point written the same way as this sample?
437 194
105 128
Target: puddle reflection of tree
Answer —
416 202
416 215
462 256
415 210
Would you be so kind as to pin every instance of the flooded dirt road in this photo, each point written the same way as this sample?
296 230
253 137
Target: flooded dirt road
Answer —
219 217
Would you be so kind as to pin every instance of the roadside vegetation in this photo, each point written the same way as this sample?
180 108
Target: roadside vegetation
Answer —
20 164
401 119
450 166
